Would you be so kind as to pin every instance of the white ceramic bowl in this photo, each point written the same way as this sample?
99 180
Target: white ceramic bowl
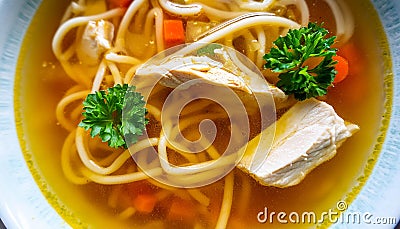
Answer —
22 205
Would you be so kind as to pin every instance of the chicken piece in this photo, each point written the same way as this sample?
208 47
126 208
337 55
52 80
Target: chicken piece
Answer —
218 76
220 70
177 70
224 77
252 90
96 40
307 135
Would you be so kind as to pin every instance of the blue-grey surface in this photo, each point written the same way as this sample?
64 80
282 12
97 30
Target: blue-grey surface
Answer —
2 225
8 11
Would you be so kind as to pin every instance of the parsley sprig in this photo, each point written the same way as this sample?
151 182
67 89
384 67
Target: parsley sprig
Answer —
289 55
115 114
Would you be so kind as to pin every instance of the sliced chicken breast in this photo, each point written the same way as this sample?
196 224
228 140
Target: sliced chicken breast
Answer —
307 135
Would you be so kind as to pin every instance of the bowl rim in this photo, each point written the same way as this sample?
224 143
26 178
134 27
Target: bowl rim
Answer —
23 205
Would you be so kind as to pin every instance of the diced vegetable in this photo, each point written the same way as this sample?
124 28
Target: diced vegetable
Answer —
354 56
354 90
119 3
129 193
145 203
174 33
342 68
142 46
181 210
195 28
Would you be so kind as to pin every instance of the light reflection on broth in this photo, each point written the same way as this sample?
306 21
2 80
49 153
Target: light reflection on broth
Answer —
43 83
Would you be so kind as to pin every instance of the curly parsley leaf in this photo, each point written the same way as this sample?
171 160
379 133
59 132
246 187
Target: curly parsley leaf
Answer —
289 55
103 114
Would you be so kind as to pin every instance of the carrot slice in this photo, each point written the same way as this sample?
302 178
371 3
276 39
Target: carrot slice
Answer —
342 68
145 203
174 33
354 56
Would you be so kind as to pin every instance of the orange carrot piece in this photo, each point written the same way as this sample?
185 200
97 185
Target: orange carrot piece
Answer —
354 56
119 3
174 33
181 210
145 203
342 68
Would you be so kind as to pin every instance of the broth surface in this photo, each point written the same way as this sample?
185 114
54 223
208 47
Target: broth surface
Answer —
359 99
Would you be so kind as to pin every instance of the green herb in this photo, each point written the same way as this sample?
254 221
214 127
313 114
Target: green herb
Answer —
115 115
288 58
208 49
